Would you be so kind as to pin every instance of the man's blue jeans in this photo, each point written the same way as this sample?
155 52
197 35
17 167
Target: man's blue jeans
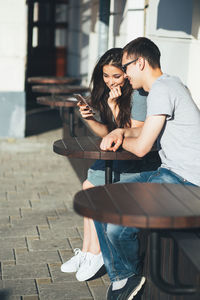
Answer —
119 244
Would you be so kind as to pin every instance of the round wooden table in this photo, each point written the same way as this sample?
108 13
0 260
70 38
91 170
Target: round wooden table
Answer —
143 205
51 80
59 89
89 148
62 102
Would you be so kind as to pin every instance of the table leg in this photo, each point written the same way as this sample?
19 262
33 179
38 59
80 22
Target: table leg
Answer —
71 121
108 171
65 114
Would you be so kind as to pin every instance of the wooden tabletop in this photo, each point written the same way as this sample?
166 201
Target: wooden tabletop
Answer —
89 147
58 101
142 205
59 89
52 80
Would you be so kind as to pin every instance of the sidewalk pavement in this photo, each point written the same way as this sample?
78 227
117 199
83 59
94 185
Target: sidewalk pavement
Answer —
38 227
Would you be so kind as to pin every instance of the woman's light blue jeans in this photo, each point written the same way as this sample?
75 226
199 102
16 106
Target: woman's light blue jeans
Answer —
119 244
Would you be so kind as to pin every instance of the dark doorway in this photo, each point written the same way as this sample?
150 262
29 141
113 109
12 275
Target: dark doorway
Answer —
46 43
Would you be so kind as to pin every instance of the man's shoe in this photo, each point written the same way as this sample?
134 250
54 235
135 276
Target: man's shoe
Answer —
131 288
73 264
90 267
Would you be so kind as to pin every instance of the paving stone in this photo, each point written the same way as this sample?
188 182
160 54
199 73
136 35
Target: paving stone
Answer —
1 285
66 254
98 292
19 231
60 234
106 279
96 282
41 281
5 220
12 243
37 257
76 242
38 225
28 195
25 271
3 195
71 291
58 276
30 220
31 297
5 294
51 245
9 212
6 254
21 287
18 202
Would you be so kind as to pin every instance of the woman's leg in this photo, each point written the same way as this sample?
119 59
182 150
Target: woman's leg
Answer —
90 239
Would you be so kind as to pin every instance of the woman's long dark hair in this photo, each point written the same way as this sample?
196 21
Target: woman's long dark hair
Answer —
100 92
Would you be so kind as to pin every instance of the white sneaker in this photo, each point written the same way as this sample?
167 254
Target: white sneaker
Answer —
90 266
73 264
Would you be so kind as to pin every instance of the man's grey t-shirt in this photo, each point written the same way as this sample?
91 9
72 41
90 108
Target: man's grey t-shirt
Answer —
180 137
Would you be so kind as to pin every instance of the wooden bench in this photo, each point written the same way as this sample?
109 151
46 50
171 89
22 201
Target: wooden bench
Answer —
189 243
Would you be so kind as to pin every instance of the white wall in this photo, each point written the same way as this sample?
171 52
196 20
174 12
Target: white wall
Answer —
129 21
13 24
126 23
174 25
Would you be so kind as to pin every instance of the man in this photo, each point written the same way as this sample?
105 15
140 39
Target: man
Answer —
173 120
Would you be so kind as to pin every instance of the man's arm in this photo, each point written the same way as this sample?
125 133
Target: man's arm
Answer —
142 144
136 140
114 139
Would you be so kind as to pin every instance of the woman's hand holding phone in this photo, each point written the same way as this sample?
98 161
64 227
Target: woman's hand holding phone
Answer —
85 110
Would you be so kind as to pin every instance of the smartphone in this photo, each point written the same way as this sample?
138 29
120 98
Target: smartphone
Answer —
80 98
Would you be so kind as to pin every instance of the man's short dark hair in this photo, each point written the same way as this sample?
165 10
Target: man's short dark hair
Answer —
145 48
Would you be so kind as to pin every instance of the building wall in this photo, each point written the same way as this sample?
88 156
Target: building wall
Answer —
13 22
129 21
78 38
174 26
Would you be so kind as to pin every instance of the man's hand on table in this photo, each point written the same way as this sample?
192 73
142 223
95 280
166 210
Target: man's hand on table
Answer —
113 140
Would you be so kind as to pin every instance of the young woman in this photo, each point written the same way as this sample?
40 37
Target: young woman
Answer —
113 99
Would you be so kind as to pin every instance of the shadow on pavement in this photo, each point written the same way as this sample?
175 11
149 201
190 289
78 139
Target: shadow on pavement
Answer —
42 120
5 294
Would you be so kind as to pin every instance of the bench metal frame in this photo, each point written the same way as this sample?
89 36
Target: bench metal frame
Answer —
155 269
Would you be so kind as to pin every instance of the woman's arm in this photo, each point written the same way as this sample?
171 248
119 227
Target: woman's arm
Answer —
97 127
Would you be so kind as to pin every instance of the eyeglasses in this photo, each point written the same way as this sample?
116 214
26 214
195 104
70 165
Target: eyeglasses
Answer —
124 67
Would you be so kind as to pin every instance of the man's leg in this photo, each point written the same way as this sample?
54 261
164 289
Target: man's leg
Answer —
121 262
